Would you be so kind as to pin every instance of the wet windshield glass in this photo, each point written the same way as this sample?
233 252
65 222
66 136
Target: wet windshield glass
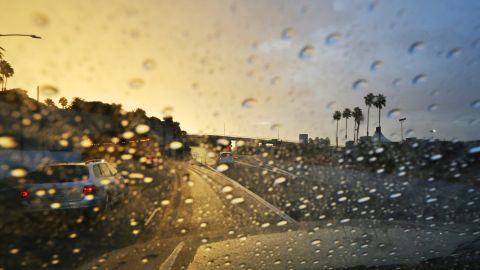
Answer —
274 134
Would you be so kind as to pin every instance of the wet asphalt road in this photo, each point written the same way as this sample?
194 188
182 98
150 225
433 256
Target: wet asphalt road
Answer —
184 203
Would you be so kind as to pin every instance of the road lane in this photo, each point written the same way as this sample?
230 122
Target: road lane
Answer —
202 208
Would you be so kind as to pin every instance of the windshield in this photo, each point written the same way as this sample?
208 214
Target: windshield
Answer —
274 134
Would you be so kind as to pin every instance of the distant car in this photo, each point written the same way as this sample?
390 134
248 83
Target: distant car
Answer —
225 158
63 186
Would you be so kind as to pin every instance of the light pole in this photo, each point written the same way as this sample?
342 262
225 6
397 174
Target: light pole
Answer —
401 126
20 35
21 125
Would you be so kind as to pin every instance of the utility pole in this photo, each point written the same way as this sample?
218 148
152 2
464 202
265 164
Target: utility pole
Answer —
401 127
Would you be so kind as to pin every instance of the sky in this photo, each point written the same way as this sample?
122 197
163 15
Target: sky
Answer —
258 68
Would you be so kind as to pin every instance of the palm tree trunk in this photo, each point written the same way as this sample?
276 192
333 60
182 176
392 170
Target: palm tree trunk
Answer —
336 136
379 117
358 130
5 88
346 127
354 126
368 118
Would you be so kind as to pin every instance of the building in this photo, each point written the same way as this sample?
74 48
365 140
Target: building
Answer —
303 138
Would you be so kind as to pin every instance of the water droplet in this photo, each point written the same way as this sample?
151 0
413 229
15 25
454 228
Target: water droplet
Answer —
306 53
316 242
40 20
394 114
147 180
476 104
237 200
454 53
416 47
436 157
420 78
330 105
435 92
142 129
136 83
275 80
14 251
397 82
86 142
222 167
395 195
282 223
249 103
223 141
55 205
333 38
433 130
363 199
360 85
345 220
18 172
7 142
49 90
376 65
175 145
227 189
275 126
410 132
432 107
288 33
279 180
474 150
149 64
165 202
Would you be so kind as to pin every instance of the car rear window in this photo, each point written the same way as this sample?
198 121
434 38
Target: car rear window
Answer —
225 155
59 174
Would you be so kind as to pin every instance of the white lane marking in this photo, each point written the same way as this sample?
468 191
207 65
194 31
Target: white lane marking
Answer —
152 215
255 196
168 263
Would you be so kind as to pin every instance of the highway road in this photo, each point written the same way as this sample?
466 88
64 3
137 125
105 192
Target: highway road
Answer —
190 216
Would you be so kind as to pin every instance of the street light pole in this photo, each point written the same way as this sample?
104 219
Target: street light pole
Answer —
401 126
20 35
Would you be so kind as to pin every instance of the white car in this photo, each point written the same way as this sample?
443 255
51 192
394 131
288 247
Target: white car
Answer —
61 186
225 158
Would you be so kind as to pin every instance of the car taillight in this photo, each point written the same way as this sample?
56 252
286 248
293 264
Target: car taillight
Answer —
24 194
88 189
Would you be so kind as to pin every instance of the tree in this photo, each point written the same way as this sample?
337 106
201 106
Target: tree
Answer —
357 115
63 102
337 115
49 102
347 113
379 102
1 52
369 102
6 71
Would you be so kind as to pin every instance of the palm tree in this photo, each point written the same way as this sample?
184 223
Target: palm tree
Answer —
63 102
369 102
347 113
1 52
358 117
6 70
337 115
379 102
49 102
